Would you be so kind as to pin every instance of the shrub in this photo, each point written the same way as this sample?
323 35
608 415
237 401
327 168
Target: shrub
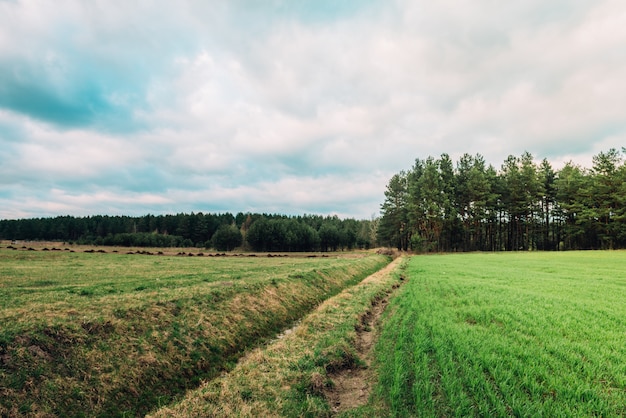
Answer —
227 238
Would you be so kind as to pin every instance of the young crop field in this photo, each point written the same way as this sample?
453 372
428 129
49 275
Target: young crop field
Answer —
87 333
506 334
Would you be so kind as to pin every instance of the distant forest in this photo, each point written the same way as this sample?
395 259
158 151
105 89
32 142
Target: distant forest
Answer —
224 232
436 206
468 206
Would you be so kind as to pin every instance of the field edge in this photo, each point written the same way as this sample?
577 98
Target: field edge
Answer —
294 375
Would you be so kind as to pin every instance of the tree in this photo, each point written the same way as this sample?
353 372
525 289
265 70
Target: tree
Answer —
451 222
571 188
330 237
427 206
226 238
258 234
393 227
531 196
513 200
494 210
547 179
366 236
605 202
472 199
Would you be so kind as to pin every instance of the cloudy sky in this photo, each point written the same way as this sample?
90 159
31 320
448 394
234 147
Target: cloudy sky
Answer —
290 106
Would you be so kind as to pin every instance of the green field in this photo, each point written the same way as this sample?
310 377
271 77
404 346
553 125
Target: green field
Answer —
507 334
94 334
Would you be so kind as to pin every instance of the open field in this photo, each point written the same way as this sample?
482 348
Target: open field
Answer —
95 334
507 334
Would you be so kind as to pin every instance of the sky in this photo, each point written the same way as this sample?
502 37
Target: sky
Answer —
117 107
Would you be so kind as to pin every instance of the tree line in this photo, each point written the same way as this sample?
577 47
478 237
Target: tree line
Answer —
224 232
438 205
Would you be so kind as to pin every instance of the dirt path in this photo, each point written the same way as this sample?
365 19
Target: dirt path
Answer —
352 387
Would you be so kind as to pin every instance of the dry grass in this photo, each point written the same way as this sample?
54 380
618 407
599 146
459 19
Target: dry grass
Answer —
289 376
112 334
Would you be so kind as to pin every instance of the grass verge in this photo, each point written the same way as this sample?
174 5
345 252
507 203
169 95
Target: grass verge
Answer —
290 376
92 334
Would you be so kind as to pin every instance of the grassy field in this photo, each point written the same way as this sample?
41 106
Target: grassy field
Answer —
508 334
95 334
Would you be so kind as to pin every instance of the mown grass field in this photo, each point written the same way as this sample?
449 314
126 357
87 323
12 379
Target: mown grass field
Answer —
508 334
94 334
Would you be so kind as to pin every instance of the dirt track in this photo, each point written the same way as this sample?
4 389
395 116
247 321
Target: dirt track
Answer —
352 387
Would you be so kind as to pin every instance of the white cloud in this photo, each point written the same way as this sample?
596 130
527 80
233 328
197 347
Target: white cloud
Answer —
49 154
292 195
221 105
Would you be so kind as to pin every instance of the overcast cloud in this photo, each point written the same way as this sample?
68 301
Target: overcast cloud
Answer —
117 107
